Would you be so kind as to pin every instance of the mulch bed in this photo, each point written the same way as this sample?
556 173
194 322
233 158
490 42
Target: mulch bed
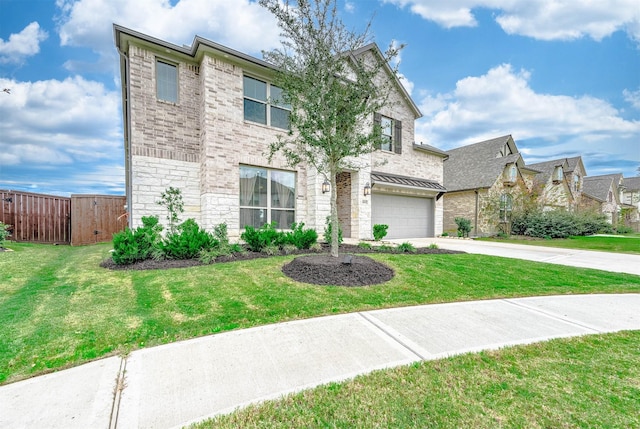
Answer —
312 267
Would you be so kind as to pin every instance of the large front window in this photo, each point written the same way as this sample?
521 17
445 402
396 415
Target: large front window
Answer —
267 196
263 103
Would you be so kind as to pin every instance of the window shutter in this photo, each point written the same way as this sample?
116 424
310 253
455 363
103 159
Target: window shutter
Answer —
377 120
397 144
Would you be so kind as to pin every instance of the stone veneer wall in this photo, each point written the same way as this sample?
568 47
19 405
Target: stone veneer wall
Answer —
152 176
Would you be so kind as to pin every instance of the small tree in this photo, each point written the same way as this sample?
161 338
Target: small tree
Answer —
171 199
331 91
464 226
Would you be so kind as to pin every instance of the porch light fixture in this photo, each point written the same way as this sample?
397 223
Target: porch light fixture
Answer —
326 187
367 189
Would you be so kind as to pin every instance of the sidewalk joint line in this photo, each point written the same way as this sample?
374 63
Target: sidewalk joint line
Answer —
380 326
117 394
552 315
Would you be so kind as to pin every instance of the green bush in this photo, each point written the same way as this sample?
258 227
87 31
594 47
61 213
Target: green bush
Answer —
4 233
464 226
445 234
327 231
433 246
299 237
364 245
142 243
558 224
188 241
258 239
620 229
379 231
406 247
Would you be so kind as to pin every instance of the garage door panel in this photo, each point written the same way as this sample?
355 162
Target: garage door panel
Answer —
407 217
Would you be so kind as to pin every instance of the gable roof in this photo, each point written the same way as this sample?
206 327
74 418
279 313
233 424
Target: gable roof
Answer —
631 183
123 36
574 163
478 165
547 168
598 187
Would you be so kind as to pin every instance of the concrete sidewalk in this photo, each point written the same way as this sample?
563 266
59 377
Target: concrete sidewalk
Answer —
176 384
607 261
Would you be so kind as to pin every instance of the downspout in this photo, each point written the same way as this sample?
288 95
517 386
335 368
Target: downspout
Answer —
126 123
475 222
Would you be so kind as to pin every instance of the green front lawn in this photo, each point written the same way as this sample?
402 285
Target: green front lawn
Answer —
621 244
59 308
585 382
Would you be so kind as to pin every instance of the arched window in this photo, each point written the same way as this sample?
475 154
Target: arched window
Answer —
506 206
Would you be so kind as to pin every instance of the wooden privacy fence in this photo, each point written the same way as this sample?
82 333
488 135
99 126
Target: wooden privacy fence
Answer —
80 219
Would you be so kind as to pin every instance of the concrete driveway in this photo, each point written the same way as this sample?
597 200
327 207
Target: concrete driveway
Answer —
607 261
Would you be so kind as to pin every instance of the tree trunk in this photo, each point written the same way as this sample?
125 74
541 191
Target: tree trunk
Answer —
335 226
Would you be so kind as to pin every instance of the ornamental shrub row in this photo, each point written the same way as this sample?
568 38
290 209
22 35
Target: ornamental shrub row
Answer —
187 241
559 224
268 237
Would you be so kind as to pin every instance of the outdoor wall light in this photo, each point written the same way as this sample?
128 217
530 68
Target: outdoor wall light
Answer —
367 189
326 187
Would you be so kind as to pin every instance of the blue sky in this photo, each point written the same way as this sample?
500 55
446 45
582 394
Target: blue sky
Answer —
562 77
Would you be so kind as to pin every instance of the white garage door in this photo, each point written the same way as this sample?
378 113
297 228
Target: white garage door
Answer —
407 217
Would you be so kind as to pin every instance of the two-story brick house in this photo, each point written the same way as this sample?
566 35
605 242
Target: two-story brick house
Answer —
200 118
560 182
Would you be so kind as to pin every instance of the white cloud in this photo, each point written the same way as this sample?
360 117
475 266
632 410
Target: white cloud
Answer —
632 97
23 44
539 19
349 7
502 102
56 122
240 24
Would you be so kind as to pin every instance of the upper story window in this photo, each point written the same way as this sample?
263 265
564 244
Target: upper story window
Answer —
576 182
166 81
263 103
391 133
510 173
558 174
610 197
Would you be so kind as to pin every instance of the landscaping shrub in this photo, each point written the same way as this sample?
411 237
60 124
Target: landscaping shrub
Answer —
327 231
558 224
258 239
4 233
620 229
364 245
132 246
379 231
299 237
188 241
171 199
464 226
406 247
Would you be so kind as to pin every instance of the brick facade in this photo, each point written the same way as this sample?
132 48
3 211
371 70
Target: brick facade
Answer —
199 143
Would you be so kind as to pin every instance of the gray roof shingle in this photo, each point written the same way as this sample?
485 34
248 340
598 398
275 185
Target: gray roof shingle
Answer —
413 182
598 186
478 165
631 183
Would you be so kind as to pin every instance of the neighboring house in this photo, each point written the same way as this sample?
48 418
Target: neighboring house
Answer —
554 184
576 172
602 194
483 180
631 202
200 118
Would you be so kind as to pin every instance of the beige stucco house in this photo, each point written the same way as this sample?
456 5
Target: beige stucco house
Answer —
200 118
483 181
